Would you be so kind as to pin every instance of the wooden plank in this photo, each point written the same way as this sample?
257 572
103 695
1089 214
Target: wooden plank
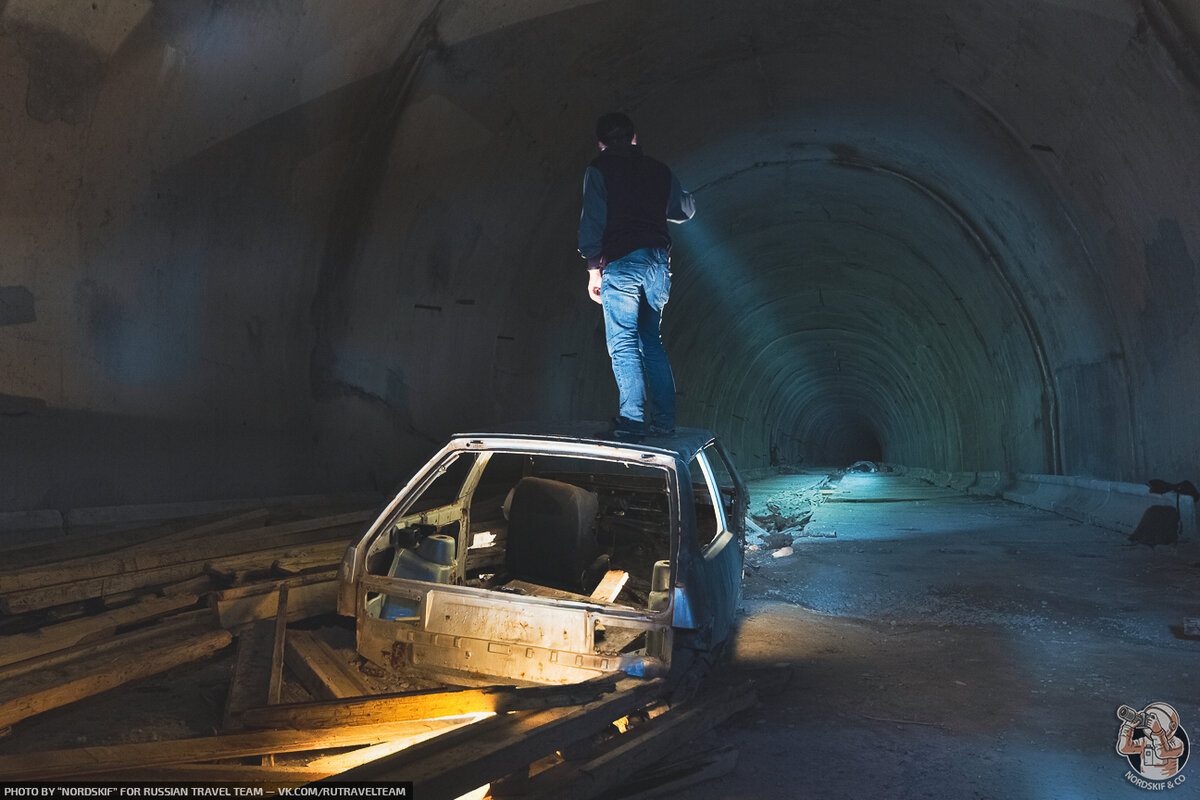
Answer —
276 682
482 557
237 521
34 693
24 646
250 685
303 559
275 679
276 535
155 554
80 543
291 558
272 586
305 600
206 774
534 590
145 755
157 551
321 670
610 586
677 776
430 704
199 585
166 627
340 762
643 747
448 771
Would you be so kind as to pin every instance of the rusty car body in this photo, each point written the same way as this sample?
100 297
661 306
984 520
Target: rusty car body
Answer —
551 556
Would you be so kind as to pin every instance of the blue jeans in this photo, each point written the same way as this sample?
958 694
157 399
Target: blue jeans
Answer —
634 290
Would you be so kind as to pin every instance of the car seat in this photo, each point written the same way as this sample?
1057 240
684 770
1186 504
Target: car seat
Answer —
551 534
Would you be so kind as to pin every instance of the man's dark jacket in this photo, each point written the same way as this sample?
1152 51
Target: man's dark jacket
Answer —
627 199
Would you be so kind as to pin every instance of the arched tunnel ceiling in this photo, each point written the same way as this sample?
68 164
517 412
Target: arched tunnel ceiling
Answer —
960 236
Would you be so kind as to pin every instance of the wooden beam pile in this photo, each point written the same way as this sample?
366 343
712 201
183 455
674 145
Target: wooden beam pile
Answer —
93 611
620 735
82 619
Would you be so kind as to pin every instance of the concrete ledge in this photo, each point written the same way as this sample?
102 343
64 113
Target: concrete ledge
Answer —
48 519
1108 504
991 484
30 520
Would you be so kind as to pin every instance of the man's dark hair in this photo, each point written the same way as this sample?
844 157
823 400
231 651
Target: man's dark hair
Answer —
615 128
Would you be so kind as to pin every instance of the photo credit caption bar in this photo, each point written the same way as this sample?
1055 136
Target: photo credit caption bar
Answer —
155 790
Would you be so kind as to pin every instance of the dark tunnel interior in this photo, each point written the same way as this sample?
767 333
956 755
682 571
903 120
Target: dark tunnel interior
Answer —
265 249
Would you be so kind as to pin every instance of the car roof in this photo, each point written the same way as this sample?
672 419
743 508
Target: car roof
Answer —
684 442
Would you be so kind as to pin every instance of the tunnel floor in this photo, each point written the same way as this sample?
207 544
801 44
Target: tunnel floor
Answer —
944 645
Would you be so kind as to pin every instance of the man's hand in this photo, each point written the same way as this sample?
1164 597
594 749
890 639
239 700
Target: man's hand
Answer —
594 285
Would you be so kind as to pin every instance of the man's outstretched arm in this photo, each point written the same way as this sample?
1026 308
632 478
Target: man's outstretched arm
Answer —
591 228
681 205
593 217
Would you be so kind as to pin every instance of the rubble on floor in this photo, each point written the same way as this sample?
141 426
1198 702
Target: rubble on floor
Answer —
788 513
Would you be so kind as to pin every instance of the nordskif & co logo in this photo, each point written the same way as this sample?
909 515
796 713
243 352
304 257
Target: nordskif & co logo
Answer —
1155 745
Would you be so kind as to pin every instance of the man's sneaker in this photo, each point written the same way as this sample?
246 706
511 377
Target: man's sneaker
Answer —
659 430
628 429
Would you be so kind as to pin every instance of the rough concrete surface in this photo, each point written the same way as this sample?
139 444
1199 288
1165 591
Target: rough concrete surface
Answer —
960 236
946 646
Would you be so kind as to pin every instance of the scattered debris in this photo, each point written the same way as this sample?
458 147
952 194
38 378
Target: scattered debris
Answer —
863 466
821 534
782 552
771 541
1190 629
796 515
789 513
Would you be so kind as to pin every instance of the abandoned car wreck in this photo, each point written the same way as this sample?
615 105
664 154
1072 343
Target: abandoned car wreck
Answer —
552 559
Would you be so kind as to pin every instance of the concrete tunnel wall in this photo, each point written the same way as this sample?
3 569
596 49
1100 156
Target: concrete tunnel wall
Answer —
260 248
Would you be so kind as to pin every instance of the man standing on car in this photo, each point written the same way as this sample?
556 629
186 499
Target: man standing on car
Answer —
627 199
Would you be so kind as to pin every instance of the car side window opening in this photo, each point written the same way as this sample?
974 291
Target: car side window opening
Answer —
726 488
421 543
446 485
435 510
552 526
708 499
